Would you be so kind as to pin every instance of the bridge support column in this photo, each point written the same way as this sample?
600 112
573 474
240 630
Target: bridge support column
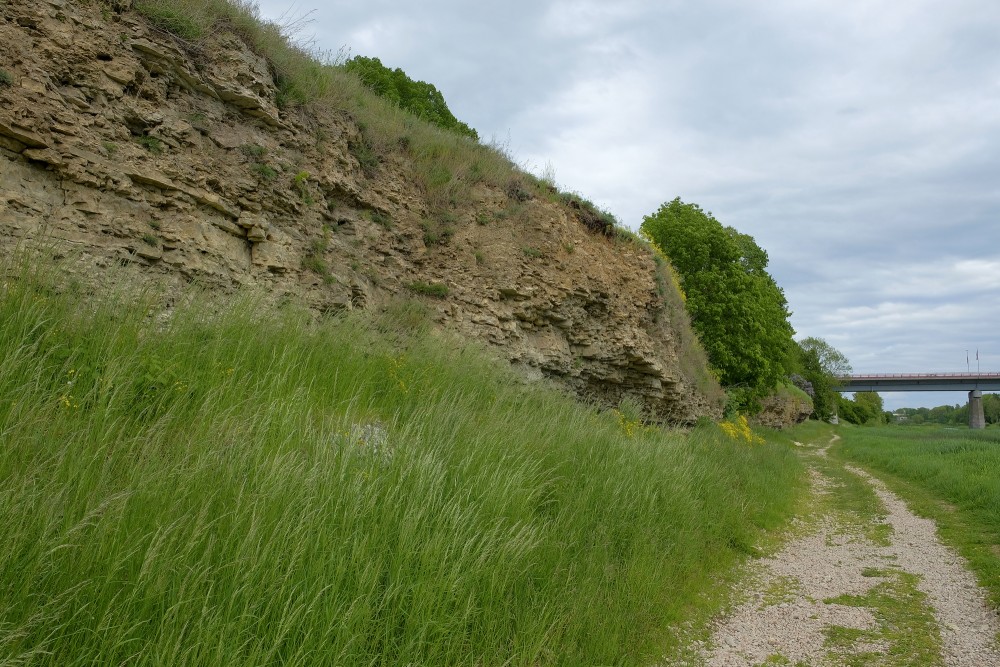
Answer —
976 417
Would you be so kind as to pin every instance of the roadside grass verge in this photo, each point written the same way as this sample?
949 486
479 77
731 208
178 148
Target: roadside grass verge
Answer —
220 486
948 475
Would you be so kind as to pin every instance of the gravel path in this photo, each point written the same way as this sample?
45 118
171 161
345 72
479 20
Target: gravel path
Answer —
843 593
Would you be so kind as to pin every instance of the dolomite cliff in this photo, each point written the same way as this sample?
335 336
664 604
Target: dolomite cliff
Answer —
126 147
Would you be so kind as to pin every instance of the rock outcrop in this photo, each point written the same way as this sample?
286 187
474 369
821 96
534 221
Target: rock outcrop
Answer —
783 408
135 149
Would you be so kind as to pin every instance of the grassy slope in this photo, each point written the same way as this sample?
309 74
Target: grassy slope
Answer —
234 489
949 475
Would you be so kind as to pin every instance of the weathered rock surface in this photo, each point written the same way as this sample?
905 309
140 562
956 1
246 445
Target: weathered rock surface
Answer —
783 409
120 143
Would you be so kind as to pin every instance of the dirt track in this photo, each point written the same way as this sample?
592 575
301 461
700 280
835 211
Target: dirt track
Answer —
851 589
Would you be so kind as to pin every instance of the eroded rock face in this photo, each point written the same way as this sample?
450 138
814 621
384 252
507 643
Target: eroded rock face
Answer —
120 147
783 409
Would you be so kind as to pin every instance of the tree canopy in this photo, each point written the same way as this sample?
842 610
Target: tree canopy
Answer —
831 360
736 307
820 364
418 97
865 408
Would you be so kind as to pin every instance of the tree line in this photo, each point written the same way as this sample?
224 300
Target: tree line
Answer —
951 414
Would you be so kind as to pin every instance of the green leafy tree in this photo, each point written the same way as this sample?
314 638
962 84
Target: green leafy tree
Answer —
865 408
418 97
824 395
821 364
991 408
831 360
739 312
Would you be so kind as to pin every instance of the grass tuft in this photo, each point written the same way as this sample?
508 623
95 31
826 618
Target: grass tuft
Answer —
151 144
436 290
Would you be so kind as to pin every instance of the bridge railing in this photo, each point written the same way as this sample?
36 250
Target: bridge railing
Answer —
919 376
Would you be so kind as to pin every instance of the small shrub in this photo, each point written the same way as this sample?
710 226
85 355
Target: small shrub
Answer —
381 219
438 176
110 147
313 261
5 78
516 191
626 235
290 93
628 414
569 247
593 218
482 218
253 151
436 290
533 253
301 183
264 172
367 159
150 239
739 430
151 144
438 231
155 224
480 259
198 120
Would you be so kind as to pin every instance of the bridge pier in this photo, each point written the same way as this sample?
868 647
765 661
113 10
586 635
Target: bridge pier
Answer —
977 419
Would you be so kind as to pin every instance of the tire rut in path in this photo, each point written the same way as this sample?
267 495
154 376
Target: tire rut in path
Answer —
864 575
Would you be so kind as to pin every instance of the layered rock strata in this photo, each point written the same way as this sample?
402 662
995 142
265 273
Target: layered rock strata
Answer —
132 148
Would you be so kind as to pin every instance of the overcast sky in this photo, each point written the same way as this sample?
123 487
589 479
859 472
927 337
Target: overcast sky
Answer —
858 141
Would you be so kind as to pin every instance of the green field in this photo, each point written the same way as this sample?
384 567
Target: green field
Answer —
237 486
951 475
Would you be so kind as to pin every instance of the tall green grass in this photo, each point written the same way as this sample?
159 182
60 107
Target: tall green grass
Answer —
951 475
221 487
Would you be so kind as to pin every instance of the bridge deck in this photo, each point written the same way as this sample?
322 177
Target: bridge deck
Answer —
920 382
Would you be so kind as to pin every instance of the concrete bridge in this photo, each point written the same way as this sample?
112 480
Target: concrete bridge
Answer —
974 383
